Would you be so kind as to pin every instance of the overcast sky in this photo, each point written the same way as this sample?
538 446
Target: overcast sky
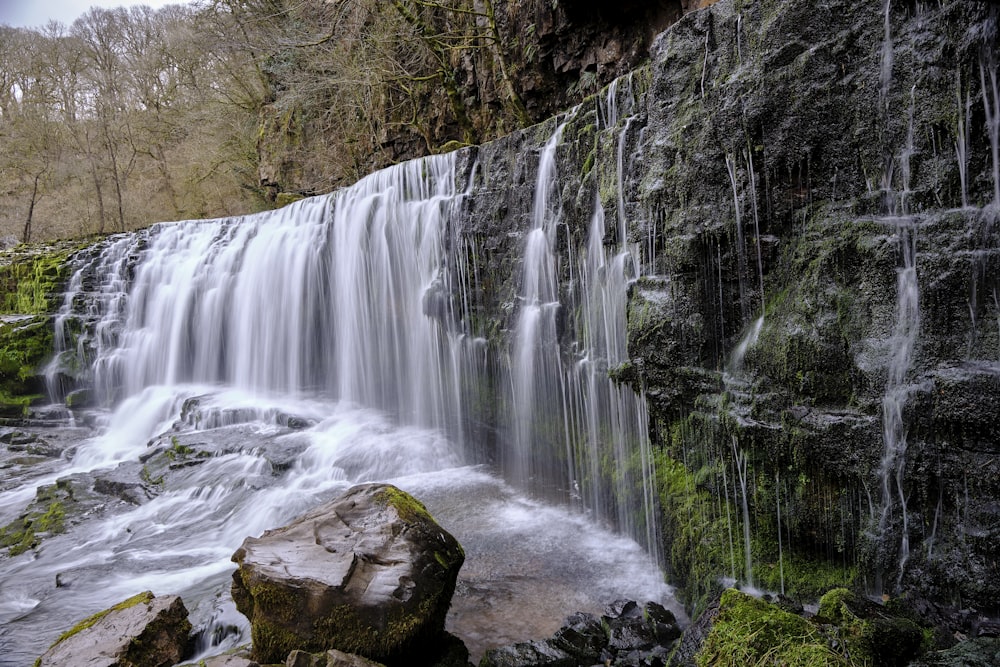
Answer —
36 13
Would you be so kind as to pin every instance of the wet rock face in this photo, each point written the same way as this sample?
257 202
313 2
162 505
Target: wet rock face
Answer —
143 631
771 165
369 573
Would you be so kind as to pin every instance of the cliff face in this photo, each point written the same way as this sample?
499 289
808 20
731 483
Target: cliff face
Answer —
550 54
812 190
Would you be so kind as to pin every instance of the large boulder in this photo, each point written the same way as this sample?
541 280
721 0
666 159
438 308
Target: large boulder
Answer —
369 573
142 631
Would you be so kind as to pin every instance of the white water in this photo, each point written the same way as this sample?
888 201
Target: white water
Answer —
740 458
336 312
535 359
991 105
892 468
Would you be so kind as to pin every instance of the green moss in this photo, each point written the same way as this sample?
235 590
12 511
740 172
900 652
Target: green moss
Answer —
286 198
873 634
450 146
750 632
28 283
831 605
702 546
52 520
409 508
24 346
21 534
142 598
804 578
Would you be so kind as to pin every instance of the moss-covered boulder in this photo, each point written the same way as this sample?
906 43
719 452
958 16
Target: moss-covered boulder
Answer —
369 573
142 631
748 631
871 633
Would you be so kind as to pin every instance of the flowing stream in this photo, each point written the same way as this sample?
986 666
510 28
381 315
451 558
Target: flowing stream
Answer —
261 365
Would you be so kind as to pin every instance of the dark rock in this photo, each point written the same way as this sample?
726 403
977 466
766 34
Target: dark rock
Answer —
694 636
869 629
81 398
980 652
626 634
528 654
143 630
133 493
663 622
368 573
583 637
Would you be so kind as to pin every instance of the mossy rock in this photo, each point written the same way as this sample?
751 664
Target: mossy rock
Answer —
25 532
25 345
141 631
748 632
30 277
873 635
369 573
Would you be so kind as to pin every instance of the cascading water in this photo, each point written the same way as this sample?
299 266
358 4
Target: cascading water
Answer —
903 341
536 369
564 400
299 352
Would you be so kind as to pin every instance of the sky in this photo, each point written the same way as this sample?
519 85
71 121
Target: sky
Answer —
36 13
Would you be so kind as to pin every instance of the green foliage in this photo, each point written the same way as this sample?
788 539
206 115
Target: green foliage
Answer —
147 477
177 451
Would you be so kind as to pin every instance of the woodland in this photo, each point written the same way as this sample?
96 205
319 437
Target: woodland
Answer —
131 115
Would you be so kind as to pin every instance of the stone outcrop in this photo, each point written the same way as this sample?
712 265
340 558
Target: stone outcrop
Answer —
369 573
142 631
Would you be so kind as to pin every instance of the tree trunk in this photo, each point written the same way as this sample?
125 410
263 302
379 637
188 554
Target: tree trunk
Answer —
26 236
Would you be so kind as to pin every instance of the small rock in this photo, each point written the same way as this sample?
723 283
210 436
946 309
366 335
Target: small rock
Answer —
142 630
332 658
228 661
528 654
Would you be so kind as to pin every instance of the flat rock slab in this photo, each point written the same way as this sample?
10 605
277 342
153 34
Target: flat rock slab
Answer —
369 573
143 631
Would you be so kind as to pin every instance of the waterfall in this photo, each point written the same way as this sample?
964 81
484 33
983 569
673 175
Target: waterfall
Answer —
573 428
536 370
364 297
344 296
904 338
991 106
333 342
